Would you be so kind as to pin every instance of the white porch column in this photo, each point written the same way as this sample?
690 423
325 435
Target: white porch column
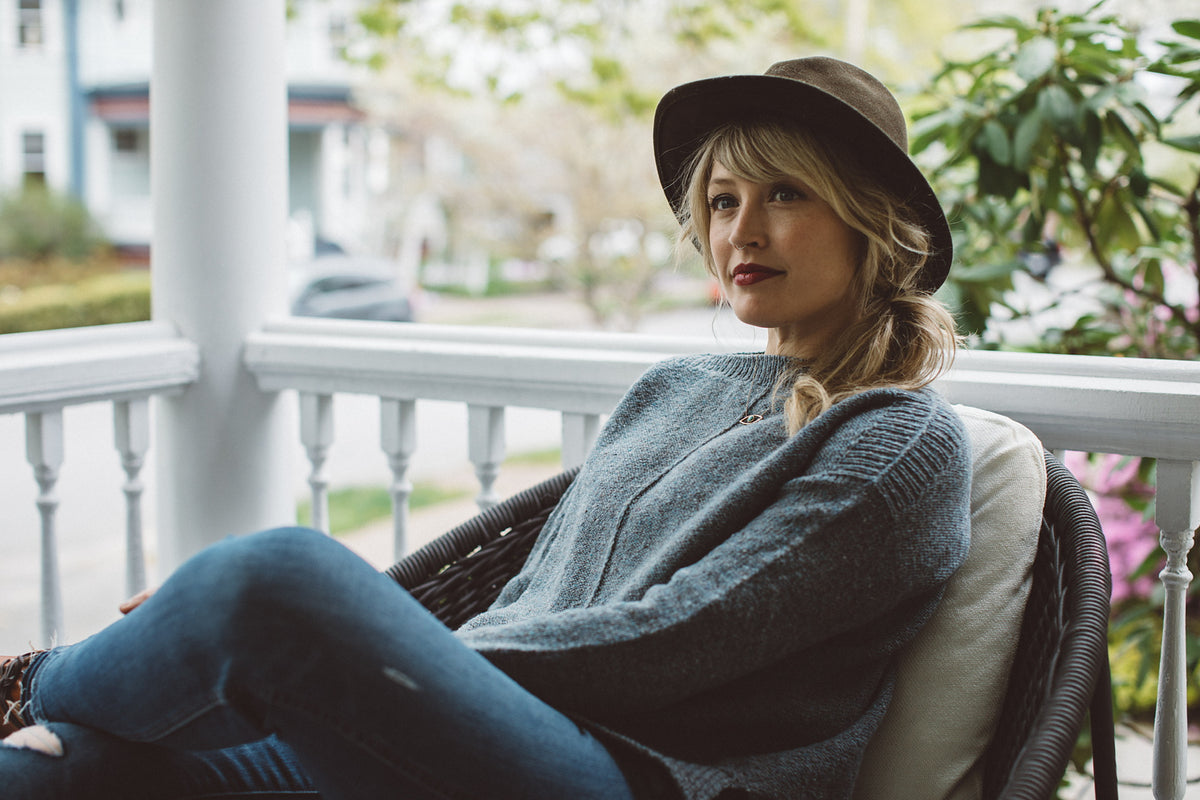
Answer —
219 188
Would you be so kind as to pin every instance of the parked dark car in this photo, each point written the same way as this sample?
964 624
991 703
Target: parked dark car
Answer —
348 287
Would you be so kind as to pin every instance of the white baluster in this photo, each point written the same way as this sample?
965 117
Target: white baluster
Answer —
44 450
316 434
485 449
398 436
579 433
1177 514
131 428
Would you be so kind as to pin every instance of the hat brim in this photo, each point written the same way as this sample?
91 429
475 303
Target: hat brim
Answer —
689 113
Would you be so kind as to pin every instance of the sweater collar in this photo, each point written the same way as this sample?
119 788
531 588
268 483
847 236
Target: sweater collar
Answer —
758 368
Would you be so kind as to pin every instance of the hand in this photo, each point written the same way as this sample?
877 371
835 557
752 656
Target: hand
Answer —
137 599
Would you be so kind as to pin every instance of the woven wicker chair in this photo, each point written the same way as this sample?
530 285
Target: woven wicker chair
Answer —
1061 669
1061 666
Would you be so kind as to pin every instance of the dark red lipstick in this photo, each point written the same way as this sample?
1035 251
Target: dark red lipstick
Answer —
750 274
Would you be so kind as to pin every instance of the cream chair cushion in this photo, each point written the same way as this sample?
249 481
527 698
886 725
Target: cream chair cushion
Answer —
952 677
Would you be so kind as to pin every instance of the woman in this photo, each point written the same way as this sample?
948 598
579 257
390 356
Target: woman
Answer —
715 605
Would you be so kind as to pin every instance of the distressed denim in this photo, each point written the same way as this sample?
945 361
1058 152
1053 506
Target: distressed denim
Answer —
281 665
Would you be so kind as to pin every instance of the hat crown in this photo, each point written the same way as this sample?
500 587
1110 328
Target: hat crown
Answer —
855 87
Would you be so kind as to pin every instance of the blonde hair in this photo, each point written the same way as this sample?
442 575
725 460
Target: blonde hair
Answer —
901 336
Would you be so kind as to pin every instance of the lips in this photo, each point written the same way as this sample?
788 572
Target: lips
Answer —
750 274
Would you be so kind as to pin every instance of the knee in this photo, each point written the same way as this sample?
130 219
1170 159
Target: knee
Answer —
32 766
36 738
263 575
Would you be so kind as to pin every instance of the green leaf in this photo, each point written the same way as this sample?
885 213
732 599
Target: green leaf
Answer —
1168 185
1147 117
1086 30
985 272
1187 27
1115 226
1124 135
1052 191
998 146
1096 63
1031 231
1057 105
1093 139
1035 58
1188 143
1153 275
1139 183
998 180
935 127
1028 131
1007 21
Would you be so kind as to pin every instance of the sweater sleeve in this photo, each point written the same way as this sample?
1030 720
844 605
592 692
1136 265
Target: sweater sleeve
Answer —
869 532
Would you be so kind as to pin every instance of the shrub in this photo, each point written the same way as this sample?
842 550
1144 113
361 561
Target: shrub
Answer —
38 224
102 300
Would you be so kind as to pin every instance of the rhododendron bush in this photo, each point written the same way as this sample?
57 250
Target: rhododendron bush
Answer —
1068 144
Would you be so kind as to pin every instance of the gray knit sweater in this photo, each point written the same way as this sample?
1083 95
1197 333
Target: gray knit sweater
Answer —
722 601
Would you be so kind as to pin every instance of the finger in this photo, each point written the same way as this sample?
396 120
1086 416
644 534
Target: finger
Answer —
136 600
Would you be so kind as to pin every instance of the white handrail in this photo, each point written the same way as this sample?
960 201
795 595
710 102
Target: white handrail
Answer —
41 373
1145 407
53 369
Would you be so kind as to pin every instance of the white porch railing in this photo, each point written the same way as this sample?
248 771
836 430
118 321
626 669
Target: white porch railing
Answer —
43 373
1144 408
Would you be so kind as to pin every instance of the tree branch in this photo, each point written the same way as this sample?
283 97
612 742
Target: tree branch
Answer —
1087 223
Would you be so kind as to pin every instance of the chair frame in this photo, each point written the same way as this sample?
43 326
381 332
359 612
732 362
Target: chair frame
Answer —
1060 671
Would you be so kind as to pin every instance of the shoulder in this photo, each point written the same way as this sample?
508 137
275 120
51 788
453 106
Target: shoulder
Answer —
906 442
903 413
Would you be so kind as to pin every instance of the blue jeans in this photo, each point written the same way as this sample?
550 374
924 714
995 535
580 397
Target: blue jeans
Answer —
281 665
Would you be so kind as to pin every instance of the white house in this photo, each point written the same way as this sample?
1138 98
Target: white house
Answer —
74 115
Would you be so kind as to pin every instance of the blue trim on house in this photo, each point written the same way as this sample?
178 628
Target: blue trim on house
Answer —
135 89
319 92
77 109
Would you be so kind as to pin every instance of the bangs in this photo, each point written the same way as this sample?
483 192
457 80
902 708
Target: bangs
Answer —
764 152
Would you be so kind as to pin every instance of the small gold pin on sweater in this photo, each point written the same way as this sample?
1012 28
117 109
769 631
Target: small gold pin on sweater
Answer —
749 419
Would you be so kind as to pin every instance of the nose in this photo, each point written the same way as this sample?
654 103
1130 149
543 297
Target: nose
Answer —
748 229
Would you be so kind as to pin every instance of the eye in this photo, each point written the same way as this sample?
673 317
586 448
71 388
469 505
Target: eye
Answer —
721 202
785 193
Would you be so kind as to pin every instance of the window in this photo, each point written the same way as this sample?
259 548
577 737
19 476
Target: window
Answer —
338 34
126 140
33 150
29 23
129 165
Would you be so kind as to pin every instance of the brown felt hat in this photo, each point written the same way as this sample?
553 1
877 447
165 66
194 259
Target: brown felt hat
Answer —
828 96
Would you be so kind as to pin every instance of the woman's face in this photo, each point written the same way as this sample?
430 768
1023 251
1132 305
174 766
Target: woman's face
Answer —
785 260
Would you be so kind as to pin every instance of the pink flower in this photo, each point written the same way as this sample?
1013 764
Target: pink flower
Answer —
1111 481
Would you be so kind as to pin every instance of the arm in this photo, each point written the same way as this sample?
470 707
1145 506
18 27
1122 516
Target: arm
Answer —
836 550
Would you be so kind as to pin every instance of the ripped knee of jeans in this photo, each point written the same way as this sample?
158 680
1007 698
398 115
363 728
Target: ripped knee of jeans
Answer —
37 738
